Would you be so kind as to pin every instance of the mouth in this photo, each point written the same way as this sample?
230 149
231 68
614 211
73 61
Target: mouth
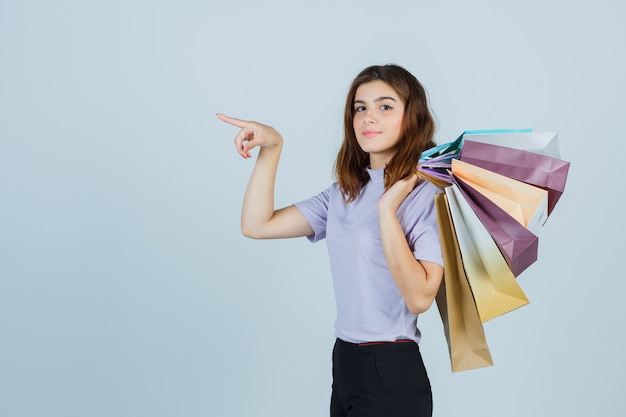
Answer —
370 133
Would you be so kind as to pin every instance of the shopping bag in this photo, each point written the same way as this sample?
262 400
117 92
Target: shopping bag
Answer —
493 285
518 245
467 344
529 167
434 163
524 202
544 143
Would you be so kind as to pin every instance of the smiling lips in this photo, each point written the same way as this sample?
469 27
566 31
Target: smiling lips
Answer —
370 133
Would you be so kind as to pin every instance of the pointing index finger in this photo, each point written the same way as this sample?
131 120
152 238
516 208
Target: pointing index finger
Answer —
233 121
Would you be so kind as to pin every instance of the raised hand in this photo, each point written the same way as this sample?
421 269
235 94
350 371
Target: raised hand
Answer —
251 135
259 219
395 195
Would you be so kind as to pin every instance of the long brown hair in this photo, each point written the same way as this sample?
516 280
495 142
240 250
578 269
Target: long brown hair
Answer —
418 131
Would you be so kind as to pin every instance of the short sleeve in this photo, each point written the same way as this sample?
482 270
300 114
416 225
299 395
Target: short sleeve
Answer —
419 221
315 210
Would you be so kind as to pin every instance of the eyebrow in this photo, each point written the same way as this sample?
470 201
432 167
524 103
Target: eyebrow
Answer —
377 100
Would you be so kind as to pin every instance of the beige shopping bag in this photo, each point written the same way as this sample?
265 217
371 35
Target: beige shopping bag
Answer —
467 344
524 202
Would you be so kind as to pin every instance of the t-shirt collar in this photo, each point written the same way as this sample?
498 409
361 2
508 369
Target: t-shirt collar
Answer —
376 175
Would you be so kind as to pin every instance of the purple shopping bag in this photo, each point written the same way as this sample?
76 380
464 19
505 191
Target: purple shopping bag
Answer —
529 167
518 245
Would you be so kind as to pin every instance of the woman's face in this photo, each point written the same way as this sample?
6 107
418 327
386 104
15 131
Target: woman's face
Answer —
378 116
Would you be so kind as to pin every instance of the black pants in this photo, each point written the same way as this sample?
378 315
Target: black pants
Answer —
379 380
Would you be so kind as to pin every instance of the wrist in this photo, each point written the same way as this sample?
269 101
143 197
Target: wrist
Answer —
275 146
387 211
277 141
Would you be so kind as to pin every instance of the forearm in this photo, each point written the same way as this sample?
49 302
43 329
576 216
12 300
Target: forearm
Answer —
416 286
258 202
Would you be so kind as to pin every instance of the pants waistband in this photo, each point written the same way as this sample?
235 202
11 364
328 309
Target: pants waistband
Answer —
397 345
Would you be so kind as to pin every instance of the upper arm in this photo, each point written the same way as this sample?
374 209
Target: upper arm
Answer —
434 274
285 223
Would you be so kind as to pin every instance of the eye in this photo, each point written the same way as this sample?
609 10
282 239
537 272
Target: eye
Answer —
386 107
359 108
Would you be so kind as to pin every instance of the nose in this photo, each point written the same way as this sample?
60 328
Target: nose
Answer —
368 117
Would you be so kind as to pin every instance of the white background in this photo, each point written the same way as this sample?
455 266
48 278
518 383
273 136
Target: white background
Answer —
126 288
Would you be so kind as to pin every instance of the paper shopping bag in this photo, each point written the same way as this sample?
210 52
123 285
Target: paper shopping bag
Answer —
467 344
529 167
518 245
494 286
524 202
544 143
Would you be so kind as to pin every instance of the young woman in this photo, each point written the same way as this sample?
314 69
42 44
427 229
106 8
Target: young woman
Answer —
381 230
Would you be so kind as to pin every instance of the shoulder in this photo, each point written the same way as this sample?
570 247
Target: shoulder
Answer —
420 202
323 198
332 191
424 191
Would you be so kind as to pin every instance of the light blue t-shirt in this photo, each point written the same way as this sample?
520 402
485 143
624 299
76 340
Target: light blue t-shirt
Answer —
370 307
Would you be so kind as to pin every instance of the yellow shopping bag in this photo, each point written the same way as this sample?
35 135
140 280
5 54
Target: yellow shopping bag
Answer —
495 289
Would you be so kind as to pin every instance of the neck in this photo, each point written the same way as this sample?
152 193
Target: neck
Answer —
378 161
